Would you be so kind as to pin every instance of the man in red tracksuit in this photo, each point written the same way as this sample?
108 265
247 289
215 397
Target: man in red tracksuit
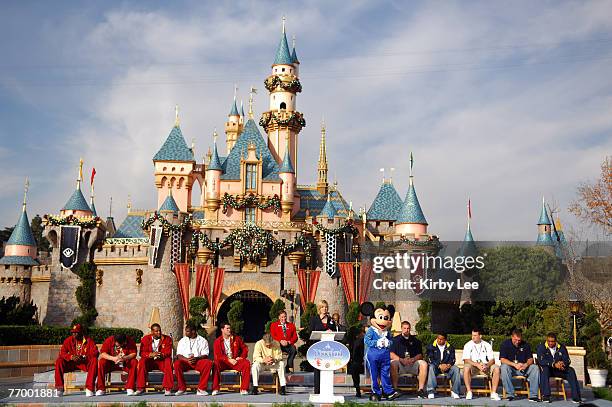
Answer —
284 332
78 352
155 353
118 352
231 354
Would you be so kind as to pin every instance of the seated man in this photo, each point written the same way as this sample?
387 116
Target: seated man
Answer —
118 352
517 360
478 359
78 352
554 361
192 353
285 333
231 354
155 353
267 355
441 355
407 357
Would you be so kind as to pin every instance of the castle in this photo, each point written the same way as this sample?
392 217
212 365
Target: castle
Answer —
250 194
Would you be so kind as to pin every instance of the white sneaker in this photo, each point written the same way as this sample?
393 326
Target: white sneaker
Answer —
468 395
130 392
455 395
168 393
100 393
60 393
244 392
138 392
179 393
215 392
88 393
202 392
495 396
431 396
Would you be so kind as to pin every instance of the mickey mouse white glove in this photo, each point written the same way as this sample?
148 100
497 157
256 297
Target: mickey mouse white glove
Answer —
380 343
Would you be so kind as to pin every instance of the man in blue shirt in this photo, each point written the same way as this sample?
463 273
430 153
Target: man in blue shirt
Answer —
554 361
517 360
441 355
407 358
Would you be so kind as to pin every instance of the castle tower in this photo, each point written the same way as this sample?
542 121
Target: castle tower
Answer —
76 204
468 247
234 125
174 164
544 225
411 219
282 119
213 179
387 204
287 174
322 169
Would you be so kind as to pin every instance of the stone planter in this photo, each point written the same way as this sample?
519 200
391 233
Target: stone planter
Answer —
598 377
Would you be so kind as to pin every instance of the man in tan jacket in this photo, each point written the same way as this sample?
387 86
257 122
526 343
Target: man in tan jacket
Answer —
267 356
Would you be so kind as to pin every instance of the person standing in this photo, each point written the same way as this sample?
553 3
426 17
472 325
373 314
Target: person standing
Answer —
517 360
478 359
321 322
78 352
407 357
355 365
554 361
155 353
118 352
284 332
192 353
231 354
267 356
441 356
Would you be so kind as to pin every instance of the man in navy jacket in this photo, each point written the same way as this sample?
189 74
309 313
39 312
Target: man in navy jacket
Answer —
441 355
554 361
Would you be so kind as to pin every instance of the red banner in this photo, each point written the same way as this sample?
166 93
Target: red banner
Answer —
203 281
365 280
308 282
181 270
217 288
347 273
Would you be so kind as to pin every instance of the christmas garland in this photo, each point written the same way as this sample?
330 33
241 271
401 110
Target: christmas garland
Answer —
251 243
251 200
167 226
275 81
346 228
295 118
72 220
419 243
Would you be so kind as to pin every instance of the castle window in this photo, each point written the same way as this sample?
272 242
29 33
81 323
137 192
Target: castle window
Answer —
251 176
283 69
283 106
249 215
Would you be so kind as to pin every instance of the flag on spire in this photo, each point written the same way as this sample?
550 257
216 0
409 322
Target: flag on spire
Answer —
93 174
469 209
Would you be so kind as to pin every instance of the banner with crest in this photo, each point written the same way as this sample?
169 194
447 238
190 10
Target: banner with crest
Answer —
69 245
154 241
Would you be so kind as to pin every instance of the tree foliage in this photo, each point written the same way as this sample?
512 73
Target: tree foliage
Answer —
42 243
197 313
14 313
594 203
424 311
85 294
234 316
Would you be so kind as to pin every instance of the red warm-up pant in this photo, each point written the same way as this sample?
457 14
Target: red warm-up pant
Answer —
204 366
64 366
145 365
105 366
242 365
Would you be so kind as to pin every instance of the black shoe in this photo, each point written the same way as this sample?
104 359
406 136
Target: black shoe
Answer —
358 393
421 394
510 398
283 391
534 399
375 397
393 396
546 399
253 391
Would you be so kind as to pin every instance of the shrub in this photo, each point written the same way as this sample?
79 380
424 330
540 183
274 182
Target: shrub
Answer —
197 313
85 294
234 316
12 335
13 313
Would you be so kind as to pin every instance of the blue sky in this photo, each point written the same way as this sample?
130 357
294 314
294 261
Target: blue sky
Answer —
501 102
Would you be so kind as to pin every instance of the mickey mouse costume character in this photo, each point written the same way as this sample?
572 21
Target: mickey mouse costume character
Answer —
377 342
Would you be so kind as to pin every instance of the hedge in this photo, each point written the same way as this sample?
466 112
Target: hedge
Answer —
459 340
11 335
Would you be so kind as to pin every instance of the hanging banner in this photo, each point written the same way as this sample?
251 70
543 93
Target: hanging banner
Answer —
203 281
176 247
69 245
181 270
154 240
347 274
308 281
330 255
217 289
366 275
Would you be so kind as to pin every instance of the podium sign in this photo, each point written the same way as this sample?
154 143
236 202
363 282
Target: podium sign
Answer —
327 356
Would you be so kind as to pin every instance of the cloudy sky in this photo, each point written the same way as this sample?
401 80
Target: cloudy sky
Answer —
501 102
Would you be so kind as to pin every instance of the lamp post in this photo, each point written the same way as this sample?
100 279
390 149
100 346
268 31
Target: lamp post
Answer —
574 303
356 249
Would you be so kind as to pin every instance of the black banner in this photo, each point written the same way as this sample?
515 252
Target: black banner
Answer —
69 245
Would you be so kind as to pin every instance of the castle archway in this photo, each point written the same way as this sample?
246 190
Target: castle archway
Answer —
255 313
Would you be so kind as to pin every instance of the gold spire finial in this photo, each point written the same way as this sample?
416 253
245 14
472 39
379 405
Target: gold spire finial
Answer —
284 20
293 41
169 189
25 192
383 173
110 208
78 185
193 146
215 135
129 203
252 92
391 176
176 116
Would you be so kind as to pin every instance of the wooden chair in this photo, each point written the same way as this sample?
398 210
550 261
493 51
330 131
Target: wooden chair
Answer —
69 383
487 386
446 386
410 382
268 381
523 390
234 384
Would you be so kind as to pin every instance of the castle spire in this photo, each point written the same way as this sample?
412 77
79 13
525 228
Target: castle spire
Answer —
294 57
21 247
286 165
252 92
322 184
411 212
283 55
234 108
25 193
176 116
215 162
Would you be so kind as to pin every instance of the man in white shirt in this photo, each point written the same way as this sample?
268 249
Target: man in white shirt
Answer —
478 359
192 354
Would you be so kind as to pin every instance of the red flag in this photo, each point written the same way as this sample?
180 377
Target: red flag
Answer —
469 209
93 174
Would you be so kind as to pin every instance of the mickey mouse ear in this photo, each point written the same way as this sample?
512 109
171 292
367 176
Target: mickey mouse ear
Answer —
391 310
367 308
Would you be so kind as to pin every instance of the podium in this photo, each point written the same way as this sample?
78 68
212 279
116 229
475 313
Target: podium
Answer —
327 356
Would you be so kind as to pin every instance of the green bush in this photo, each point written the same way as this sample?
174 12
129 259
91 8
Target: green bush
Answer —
13 313
197 313
85 294
12 335
234 316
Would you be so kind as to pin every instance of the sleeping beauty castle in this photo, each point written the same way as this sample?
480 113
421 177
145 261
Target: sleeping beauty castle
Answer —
254 234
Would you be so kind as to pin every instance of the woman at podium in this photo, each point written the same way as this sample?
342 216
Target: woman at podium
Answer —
321 322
